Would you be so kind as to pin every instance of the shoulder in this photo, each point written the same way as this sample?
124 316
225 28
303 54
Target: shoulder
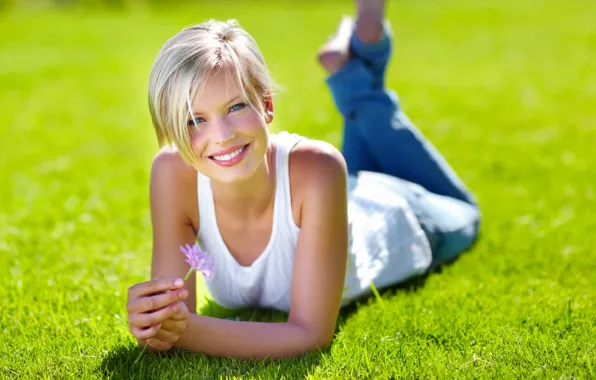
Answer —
168 165
317 160
317 170
173 184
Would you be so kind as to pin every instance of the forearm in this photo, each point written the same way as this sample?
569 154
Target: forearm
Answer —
248 340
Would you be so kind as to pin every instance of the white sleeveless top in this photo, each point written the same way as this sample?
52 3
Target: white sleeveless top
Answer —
386 243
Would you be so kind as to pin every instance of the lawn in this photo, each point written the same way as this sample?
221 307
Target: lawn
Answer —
505 89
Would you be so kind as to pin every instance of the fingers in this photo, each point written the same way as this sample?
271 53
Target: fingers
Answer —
180 314
159 345
148 303
173 325
159 284
168 336
145 333
154 317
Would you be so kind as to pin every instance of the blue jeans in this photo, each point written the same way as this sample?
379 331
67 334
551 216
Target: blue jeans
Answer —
379 137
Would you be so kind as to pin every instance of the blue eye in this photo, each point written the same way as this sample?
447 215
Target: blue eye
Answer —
238 107
197 120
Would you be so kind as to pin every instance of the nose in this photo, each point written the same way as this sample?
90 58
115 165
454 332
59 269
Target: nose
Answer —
222 130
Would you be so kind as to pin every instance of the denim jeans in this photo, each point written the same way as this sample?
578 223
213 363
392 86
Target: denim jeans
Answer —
379 137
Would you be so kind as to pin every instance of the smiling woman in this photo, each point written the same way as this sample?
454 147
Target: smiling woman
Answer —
212 56
225 129
290 223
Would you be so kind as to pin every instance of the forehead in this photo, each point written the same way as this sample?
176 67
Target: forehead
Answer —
219 88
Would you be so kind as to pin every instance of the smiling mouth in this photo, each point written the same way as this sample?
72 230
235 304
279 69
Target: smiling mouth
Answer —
229 156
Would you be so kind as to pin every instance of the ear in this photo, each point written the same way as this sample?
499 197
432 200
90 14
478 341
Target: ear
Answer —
268 105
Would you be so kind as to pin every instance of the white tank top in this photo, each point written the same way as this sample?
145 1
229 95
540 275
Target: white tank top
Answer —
386 243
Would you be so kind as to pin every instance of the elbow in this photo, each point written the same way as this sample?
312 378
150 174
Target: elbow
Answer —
322 341
317 344
313 339
316 340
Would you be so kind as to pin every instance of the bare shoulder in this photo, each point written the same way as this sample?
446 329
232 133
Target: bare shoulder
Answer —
168 164
315 160
173 181
316 168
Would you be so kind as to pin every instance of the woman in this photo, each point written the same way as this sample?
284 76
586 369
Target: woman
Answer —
291 223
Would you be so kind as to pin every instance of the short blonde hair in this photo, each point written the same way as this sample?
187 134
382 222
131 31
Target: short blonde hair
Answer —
182 67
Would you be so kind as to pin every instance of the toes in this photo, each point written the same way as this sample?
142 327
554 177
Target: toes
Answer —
332 61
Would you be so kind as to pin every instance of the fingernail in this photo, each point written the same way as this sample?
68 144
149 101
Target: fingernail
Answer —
183 293
179 282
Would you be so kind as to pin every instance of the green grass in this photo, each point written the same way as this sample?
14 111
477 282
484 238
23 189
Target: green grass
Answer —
505 89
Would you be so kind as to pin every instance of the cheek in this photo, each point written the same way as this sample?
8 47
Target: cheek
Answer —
251 121
197 141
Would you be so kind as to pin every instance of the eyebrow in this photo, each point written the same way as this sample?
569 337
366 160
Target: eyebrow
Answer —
228 103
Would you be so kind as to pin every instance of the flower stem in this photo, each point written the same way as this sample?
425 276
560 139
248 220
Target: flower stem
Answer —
188 274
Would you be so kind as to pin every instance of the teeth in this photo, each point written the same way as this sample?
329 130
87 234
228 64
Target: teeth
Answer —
227 157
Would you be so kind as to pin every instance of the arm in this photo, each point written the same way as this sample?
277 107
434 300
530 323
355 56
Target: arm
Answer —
158 309
318 274
171 183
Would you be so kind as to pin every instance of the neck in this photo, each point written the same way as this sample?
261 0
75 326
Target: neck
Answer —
249 198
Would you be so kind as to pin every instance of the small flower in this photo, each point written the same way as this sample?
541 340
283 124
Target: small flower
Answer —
198 261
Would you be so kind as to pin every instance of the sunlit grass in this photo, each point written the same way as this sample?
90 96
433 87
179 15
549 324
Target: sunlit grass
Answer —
505 89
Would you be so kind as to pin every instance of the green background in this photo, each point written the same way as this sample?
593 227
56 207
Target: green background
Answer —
505 89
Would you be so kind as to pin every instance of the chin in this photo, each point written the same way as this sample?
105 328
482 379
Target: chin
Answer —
237 176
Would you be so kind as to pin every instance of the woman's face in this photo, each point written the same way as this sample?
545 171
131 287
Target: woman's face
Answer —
231 138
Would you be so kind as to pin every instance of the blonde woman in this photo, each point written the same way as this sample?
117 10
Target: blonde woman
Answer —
291 223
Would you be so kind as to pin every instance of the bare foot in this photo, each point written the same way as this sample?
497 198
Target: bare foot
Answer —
336 51
369 22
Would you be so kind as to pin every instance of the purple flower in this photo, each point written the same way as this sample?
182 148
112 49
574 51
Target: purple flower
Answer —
198 261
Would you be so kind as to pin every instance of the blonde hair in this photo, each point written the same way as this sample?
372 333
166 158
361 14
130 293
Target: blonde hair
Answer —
182 67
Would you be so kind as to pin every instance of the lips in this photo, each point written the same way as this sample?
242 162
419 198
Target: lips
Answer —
227 150
229 156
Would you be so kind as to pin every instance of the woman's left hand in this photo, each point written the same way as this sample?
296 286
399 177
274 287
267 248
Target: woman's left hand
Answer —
171 329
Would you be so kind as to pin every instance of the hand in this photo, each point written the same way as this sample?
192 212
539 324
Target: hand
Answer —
151 303
171 329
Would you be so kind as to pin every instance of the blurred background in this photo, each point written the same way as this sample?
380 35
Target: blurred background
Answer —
506 89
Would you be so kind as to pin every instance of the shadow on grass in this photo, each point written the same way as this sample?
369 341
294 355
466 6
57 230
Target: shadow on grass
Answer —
409 286
181 364
176 365
120 362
